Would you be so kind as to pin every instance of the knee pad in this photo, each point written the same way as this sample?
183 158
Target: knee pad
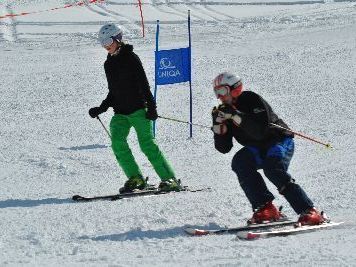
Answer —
286 187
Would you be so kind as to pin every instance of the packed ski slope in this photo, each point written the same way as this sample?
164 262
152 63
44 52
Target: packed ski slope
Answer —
299 55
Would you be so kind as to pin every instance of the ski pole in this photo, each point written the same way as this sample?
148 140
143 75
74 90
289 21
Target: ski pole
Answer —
106 130
187 122
327 145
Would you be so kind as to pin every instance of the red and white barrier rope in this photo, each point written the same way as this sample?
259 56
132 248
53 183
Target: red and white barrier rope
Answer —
82 3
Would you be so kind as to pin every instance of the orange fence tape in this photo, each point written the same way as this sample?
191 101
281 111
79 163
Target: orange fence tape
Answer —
82 3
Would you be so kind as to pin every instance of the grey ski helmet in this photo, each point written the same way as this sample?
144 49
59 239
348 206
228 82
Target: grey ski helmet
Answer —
108 33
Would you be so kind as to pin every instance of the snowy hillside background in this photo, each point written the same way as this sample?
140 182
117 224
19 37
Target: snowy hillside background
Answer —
299 55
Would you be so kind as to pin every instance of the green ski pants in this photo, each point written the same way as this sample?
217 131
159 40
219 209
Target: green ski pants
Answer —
120 126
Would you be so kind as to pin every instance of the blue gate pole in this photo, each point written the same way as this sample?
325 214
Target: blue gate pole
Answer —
190 77
155 92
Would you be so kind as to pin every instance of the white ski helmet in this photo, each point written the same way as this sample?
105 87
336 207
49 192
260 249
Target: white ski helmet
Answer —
226 84
108 33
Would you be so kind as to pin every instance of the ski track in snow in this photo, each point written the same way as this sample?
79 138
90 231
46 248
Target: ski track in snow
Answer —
299 55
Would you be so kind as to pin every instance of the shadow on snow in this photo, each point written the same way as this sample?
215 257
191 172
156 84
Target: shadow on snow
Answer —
75 148
21 203
138 234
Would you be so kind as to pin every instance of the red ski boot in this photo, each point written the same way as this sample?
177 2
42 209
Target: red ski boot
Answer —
311 217
266 213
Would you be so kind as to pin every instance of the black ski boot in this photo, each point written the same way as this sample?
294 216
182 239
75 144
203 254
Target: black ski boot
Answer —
133 183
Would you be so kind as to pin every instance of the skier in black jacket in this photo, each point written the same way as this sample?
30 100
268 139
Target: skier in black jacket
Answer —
247 117
130 97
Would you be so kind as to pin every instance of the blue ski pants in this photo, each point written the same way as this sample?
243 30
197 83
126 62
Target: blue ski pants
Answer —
274 162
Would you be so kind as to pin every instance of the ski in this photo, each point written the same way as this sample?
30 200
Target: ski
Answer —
152 191
251 235
200 232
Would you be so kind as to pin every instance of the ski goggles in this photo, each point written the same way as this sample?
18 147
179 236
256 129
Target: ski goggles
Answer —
109 41
222 91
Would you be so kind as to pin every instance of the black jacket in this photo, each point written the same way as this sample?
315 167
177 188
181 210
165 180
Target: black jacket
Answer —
129 89
254 129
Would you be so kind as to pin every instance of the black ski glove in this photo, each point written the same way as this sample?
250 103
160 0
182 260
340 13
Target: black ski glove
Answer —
95 112
151 114
228 112
219 126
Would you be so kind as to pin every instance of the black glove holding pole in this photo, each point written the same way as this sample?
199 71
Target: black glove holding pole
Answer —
151 114
219 126
95 112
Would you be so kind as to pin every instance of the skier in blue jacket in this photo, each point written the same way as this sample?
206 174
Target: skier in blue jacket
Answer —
247 117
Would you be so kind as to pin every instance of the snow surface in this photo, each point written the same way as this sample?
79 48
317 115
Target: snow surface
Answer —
299 55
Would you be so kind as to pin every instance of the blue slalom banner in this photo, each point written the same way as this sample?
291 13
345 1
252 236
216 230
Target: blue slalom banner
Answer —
174 66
